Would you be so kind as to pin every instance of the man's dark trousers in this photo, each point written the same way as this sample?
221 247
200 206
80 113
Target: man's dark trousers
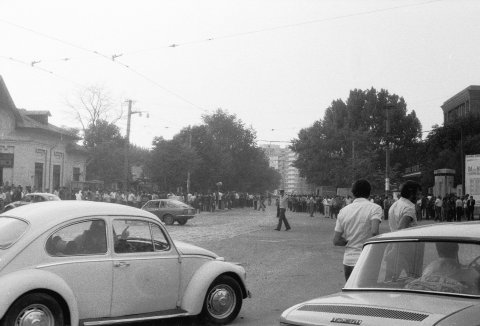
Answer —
284 219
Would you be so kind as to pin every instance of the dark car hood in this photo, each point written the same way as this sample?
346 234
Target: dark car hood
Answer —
376 308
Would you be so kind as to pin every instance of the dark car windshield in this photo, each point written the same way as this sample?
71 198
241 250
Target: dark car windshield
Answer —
441 267
11 229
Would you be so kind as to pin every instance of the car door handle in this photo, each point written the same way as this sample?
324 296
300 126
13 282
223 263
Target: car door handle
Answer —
121 264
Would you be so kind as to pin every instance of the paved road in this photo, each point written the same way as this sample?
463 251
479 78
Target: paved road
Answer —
283 268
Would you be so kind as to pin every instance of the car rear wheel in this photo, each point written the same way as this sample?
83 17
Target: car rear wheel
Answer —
34 309
223 301
182 221
168 219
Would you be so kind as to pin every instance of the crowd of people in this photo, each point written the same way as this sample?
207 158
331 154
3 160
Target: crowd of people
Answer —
202 202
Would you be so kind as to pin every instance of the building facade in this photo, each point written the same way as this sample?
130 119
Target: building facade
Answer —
34 153
465 103
282 159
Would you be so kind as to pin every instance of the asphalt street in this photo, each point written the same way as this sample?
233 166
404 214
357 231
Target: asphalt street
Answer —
283 267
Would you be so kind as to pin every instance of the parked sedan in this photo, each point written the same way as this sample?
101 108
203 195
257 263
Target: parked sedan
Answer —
428 275
92 263
34 197
170 211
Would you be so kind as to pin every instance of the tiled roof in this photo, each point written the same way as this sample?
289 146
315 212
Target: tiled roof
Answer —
22 119
28 122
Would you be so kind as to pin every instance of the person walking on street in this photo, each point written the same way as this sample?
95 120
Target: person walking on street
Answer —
470 208
283 204
402 213
356 223
459 209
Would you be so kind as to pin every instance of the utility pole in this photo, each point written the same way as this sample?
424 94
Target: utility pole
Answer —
353 162
189 146
387 151
127 147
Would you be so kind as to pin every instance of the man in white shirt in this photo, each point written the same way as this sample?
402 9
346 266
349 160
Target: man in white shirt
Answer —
283 207
356 223
402 213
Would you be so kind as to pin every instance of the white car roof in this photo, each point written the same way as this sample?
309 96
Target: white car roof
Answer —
44 215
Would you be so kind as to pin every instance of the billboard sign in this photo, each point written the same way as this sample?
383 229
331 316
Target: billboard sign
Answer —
472 176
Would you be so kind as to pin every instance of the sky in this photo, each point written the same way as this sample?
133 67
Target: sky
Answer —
275 64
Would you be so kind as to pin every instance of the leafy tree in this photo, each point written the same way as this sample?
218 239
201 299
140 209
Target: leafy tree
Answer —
221 149
350 141
105 146
444 146
169 163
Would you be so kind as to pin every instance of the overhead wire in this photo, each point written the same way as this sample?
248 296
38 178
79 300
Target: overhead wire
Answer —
113 58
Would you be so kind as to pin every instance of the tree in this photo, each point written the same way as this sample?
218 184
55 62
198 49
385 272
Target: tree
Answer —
350 141
221 149
105 146
169 162
444 146
92 105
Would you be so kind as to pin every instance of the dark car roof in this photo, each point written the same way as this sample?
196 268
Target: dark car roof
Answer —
469 231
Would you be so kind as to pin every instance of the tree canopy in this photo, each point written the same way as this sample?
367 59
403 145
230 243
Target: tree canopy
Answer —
444 146
221 149
350 141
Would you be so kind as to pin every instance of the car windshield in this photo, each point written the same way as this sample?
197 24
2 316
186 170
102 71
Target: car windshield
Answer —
11 229
440 267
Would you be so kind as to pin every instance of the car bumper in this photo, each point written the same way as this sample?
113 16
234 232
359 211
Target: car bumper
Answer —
185 216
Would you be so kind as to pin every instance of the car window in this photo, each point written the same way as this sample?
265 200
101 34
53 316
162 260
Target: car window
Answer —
449 267
11 230
172 205
28 198
38 199
162 204
132 236
152 204
83 238
160 242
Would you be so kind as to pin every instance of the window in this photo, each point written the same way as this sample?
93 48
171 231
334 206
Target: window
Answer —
132 236
56 177
448 267
159 240
76 174
11 229
84 238
38 181
138 236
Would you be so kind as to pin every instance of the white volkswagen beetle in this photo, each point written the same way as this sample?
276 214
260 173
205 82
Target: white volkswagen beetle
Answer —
89 263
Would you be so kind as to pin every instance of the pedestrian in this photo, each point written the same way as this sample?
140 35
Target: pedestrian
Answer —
438 209
283 204
356 223
311 206
402 213
459 209
470 208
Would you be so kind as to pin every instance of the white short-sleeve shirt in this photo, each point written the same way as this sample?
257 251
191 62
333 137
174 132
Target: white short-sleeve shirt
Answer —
400 208
354 222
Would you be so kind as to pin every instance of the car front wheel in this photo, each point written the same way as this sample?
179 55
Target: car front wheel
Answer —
34 309
223 301
182 221
168 219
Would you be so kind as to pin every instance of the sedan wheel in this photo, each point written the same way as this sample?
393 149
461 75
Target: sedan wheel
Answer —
182 221
34 309
223 301
168 219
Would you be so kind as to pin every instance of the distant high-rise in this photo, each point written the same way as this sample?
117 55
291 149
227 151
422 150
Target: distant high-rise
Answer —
281 159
